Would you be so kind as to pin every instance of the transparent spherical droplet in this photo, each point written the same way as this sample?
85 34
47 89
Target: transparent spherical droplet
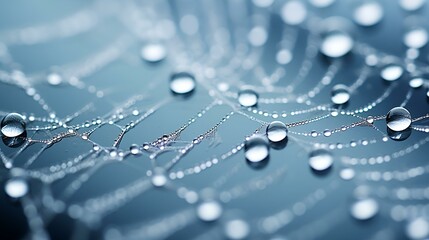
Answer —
368 14
416 82
418 228
182 83
256 148
364 209
13 125
336 44
327 133
209 211
322 3
153 52
320 160
247 98
16 187
416 38
284 56
347 173
135 149
257 36
411 5
340 94
236 229
54 79
391 72
159 178
398 119
293 12
276 131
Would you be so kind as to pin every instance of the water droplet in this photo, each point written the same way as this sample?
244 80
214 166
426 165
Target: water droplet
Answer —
256 148
293 12
327 133
340 94
370 119
236 229
13 125
336 44
411 5
391 72
416 82
320 160
364 209
159 179
153 52
368 14
135 149
284 56
257 36
399 135
398 119
416 38
314 134
247 98
322 3
418 229
347 173
209 211
182 83
54 79
16 187
276 131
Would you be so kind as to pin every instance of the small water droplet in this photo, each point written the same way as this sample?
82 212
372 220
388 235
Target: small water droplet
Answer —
247 98
13 125
368 14
209 211
153 52
16 187
236 229
284 56
411 5
364 209
257 36
276 131
370 119
135 149
418 228
182 83
327 133
416 38
391 72
336 44
416 82
340 94
320 160
398 119
293 12
314 134
347 173
54 79
159 178
256 148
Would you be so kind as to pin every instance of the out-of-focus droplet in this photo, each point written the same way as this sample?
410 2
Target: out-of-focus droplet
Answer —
411 5
257 36
159 178
209 211
336 44
368 14
182 83
294 12
347 173
256 148
153 52
364 209
263 3
322 3
54 79
416 38
16 187
391 72
320 160
236 229
418 228
340 94
284 56
416 82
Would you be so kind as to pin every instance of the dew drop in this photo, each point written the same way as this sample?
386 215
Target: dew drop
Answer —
236 229
16 187
256 148
336 44
340 94
411 5
368 14
153 52
13 125
398 119
391 72
320 160
209 211
276 131
248 98
257 36
159 179
293 12
347 173
416 38
182 83
314 134
54 79
327 133
135 149
364 209
416 82
284 56
418 229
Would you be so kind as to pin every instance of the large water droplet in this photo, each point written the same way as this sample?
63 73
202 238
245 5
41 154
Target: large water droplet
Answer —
209 211
256 148
182 83
336 44
16 187
418 229
13 125
391 72
398 119
368 14
411 5
293 12
364 209
247 98
236 229
153 52
340 94
416 38
320 160
276 131
416 82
